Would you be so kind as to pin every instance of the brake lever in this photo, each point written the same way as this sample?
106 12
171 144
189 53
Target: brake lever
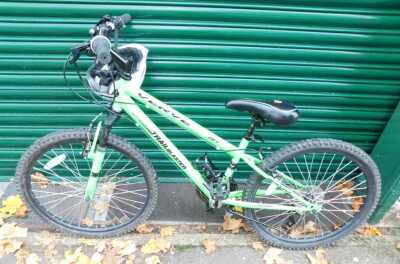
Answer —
76 52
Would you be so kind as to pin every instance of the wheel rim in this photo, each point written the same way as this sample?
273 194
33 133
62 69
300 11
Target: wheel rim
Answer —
333 180
57 183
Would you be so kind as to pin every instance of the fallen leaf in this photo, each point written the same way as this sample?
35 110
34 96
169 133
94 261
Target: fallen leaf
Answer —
33 259
96 258
309 228
152 260
11 204
246 227
369 230
71 256
356 203
129 260
21 255
167 231
101 246
232 224
87 221
209 245
144 229
238 209
257 245
50 253
119 244
398 245
83 259
40 179
8 246
22 211
128 249
272 257
156 245
11 230
111 255
345 187
319 258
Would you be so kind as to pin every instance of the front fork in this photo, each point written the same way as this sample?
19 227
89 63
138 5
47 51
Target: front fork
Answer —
98 150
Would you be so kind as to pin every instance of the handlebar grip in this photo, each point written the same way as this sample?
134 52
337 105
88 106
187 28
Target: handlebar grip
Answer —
122 20
101 46
125 18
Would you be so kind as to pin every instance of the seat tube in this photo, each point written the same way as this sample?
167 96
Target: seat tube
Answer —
236 157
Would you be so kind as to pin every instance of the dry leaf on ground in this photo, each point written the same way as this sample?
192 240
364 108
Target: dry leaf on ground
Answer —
129 249
209 245
398 245
319 258
22 211
156 245
111 254
152 260
96 258
129 260
369 230
345 187
40 179
21 255
75 257
144 229
33 259
8 246
50 253
232 224
356 203
167 231
11 205
272 257
309 228
87 221
101 246
11 230
257 245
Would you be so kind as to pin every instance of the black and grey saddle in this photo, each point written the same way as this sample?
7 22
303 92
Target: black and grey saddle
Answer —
278 112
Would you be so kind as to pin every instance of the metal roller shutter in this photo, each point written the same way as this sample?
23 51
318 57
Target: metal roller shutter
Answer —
338 61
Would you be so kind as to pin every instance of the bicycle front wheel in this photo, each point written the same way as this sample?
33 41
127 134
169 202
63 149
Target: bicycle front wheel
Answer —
337 176
52 176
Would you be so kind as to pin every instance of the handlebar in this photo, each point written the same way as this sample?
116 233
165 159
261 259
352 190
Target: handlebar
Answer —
101 47
100 44
121 21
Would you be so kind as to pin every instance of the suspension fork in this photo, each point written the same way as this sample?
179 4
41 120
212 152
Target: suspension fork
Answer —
98 150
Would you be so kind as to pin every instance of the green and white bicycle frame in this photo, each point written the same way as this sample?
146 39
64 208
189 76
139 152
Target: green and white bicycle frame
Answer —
131 98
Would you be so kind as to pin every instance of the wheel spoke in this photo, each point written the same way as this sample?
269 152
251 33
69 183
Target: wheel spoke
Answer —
123 189
331 179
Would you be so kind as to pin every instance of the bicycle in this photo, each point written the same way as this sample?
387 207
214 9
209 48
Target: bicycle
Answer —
90 182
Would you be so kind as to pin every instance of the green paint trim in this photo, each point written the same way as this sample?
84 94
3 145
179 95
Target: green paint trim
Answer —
387 157
244 204
125 101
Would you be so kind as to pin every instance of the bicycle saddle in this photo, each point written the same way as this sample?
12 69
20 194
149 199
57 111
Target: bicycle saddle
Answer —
277 112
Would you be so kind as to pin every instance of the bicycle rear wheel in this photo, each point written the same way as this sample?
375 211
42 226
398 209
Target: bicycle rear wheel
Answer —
52 177
336 175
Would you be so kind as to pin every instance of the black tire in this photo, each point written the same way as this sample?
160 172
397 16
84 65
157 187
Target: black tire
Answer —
358 156
50 141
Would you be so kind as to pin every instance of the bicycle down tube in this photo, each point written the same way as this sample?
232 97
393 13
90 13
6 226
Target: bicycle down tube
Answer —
126 101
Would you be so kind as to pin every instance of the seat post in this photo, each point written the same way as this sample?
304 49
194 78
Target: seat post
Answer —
255 122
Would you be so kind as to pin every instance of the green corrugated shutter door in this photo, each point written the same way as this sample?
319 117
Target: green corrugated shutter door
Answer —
337 60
